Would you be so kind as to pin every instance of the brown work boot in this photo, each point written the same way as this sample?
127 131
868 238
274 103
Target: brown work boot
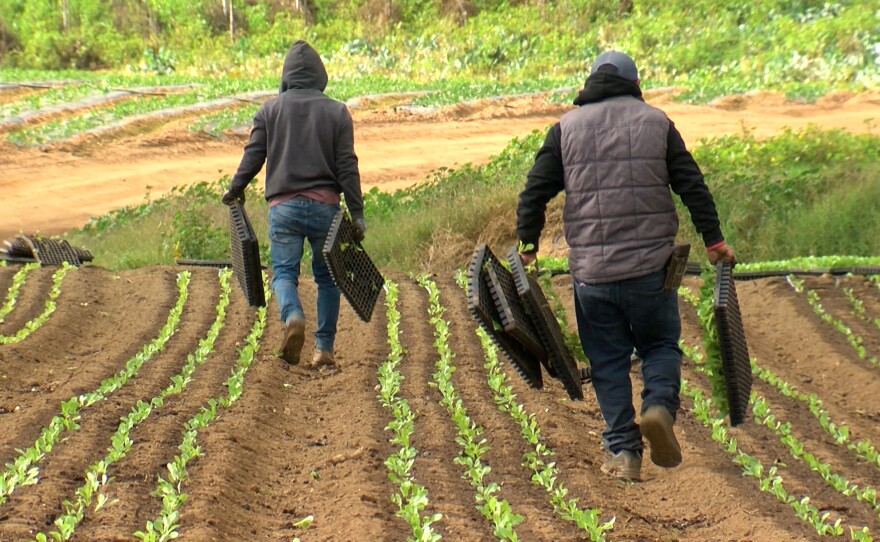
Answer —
322 358
656 425
625 465
294 336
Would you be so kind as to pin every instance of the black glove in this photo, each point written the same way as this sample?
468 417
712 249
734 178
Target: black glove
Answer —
229 196
360 228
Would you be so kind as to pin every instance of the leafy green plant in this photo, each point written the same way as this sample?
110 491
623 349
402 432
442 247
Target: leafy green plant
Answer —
50 306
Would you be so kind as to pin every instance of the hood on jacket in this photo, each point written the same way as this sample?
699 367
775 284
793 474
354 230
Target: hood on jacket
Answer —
303 68
606 84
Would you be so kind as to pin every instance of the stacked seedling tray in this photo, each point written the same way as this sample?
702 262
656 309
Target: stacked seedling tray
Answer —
732 340
483 306
246 255
559 362
35 248
351 267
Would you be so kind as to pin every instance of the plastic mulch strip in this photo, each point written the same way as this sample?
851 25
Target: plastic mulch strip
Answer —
560 363
50 251
732 340
246 255
484 310
351 267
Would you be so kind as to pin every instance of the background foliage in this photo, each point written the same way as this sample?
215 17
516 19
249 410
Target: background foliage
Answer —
716 47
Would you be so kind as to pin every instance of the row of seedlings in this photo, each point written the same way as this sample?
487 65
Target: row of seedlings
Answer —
544 473
859 307
39 320
120 442
18 280
769 481
23 470
493 508
410 496
838 431
815 302
708 413
165 525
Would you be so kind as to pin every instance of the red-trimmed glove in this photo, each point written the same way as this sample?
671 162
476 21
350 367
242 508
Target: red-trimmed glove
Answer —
721 251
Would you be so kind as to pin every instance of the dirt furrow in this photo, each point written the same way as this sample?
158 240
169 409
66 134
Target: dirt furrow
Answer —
798 478
835 302
31 300
33 508
6 274
101 322
433 434
787 337
705 498
155 443
500 430
320 446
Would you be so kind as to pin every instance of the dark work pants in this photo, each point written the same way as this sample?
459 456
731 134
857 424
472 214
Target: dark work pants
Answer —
615 318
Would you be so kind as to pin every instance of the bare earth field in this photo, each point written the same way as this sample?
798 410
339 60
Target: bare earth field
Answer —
305 442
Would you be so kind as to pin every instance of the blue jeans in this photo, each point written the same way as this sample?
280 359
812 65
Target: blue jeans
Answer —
290 224
615 318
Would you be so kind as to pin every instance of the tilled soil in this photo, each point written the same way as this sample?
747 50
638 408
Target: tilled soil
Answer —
304 441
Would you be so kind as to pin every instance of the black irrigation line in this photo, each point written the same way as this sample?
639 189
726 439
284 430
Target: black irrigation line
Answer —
696 269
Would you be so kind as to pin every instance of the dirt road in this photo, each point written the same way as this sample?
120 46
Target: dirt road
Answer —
53 189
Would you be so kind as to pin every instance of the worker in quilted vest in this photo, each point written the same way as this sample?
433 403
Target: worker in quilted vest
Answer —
617 158
306 140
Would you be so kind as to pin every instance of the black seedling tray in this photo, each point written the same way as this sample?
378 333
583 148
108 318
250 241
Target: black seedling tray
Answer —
485 311
514 319
351 267
50 251
732 340
560 364
246 255
18 247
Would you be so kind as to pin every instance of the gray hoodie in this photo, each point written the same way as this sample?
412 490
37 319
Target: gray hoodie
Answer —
305 138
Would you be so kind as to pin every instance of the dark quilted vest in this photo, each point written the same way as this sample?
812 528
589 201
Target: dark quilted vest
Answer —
620 220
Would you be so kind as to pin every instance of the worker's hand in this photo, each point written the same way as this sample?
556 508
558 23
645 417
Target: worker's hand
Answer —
528 258
360 229
229 196
721 252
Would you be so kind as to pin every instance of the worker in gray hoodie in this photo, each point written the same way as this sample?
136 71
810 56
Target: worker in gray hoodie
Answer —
306 140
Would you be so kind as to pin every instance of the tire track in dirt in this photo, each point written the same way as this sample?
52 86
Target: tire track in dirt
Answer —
502 434
433 434
156 443
31 300
705 498
100 323
33 508
321 447
798 478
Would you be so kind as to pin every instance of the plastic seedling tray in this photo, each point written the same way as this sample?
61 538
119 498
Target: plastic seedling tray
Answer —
246 255
560 364
732 340
485 311
351 267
